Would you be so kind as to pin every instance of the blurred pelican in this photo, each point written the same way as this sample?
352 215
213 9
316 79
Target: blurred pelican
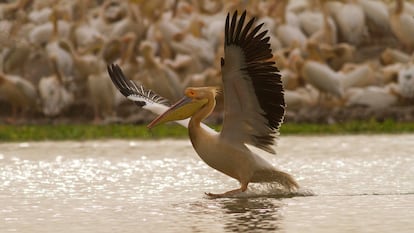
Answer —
298 99
389 73
337 55
155 72
318 25
358 76
406 82
377 17
102 96
54 49
19 93
391 56
84 34
254 109
372 97
351 22
14 58
288 33
132 22
320 75
41 34
40 16
55 98
402 25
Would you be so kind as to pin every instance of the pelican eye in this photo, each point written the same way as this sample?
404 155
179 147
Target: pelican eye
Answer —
222 62
191 93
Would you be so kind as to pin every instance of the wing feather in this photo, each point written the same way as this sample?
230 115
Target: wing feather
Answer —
226 28
245 31
142 97
253 92
232 27
240 26
131 90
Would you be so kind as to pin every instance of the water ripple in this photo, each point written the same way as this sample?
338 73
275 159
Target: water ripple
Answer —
159 186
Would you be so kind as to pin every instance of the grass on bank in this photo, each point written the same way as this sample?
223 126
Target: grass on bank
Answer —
86 131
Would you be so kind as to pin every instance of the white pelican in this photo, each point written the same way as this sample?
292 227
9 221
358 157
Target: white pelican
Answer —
360 75
392 56
298 99
402 25
406 82
54 95
41 33
102 96
254 109
19 93
338 55
319 74
154 72
372 97
377 17
288 32
350 19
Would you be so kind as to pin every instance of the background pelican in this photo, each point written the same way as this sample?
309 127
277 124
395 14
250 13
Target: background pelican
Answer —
254 108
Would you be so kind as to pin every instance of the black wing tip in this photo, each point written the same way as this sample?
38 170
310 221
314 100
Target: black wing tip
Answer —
140 103
130 88
235 13
119 80
233 36
254 42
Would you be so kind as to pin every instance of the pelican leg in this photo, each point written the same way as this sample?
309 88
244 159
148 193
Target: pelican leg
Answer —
13 117
242 189
97 118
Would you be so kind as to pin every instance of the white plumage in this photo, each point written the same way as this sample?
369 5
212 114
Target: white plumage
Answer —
402 25
359 76
377 15
406 82
372 97
323 78
351 22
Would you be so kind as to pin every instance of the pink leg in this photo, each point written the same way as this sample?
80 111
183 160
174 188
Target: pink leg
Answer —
242 189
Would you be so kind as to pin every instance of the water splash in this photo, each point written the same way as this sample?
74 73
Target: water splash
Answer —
271 190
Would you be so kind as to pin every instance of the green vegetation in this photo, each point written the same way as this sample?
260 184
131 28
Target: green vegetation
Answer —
353 127
85 132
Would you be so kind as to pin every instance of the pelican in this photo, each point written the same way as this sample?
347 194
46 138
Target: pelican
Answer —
372 97
406 82
402 25
254 109
350 19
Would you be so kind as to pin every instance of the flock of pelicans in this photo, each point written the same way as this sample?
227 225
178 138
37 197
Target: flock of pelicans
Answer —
330 54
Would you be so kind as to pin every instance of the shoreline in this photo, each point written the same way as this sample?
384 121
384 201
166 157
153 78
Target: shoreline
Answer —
59 132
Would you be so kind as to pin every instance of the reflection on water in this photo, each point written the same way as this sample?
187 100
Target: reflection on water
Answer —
251 215
361 183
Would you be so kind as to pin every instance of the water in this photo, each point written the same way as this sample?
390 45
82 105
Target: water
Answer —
361 184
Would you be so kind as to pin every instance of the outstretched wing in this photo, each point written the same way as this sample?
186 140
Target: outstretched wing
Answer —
253 92
131 90
146 99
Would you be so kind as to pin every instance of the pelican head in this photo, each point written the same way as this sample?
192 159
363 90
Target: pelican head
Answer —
195 98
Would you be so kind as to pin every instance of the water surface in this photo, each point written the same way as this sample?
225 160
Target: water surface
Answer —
361 184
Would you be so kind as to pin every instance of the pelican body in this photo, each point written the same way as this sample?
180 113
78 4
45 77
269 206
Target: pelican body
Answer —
254 109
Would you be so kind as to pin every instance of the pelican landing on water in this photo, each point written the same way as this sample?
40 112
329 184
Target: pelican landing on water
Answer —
254 108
